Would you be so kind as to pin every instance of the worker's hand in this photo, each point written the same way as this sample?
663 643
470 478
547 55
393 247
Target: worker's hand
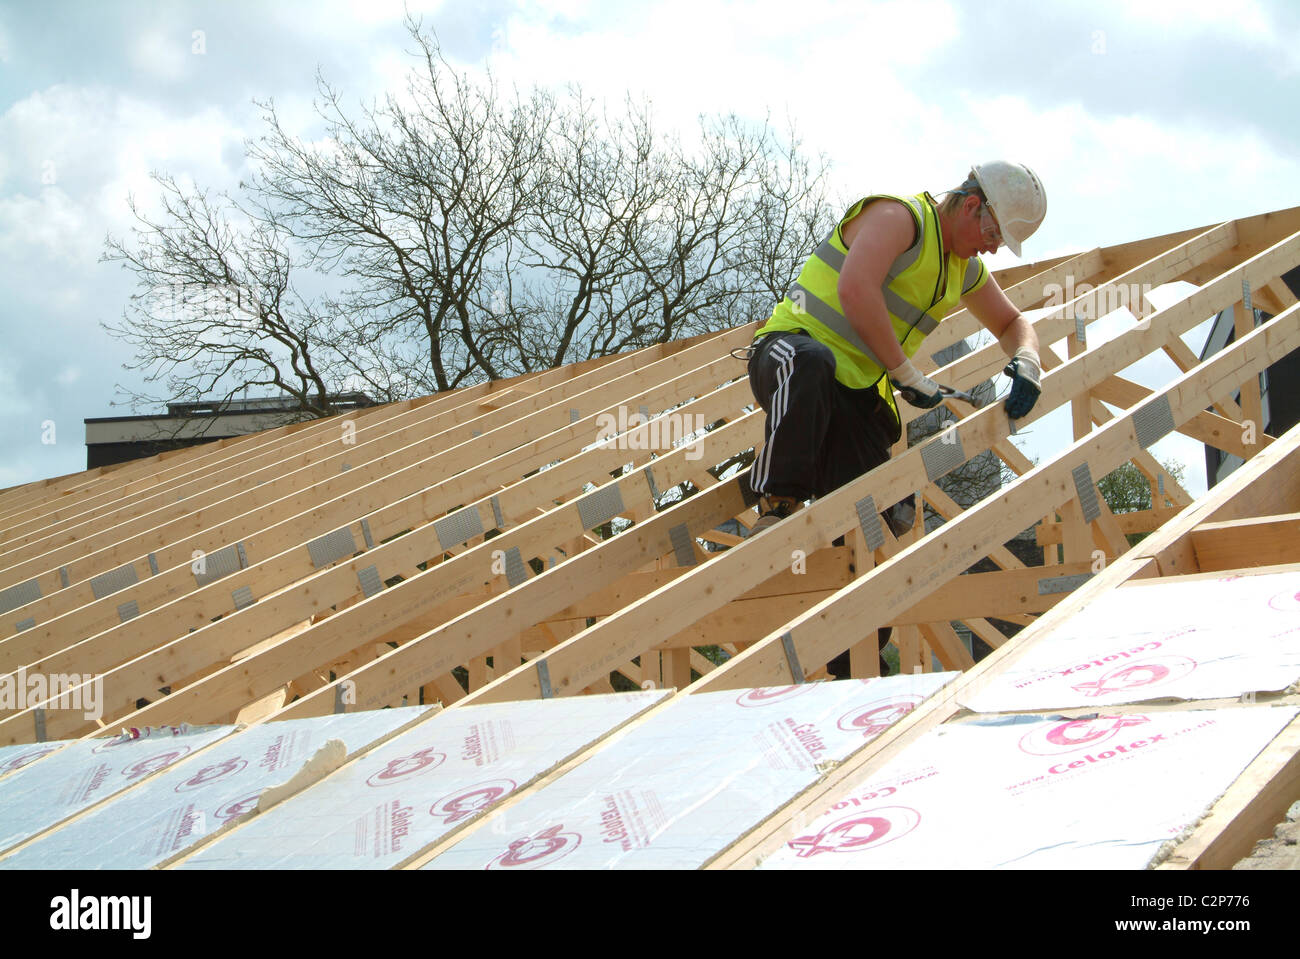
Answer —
1026 382
920 391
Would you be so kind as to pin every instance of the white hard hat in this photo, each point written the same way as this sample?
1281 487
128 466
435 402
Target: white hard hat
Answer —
1016 197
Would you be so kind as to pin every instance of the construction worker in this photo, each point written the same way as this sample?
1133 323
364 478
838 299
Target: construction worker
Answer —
825 366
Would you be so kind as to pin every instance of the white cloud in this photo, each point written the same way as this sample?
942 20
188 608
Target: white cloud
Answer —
831 60
50 222
1248 21
370 13
163 56
1245 18
12 398
76 152
857 96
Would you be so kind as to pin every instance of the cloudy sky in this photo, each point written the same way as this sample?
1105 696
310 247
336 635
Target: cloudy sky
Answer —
1140 117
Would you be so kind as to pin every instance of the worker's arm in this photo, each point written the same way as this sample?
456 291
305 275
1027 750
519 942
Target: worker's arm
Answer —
875 238
1000 317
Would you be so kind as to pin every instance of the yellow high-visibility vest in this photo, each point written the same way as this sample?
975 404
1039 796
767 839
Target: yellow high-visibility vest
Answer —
923 285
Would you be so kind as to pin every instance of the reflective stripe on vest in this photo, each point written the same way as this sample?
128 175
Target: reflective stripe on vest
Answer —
911 316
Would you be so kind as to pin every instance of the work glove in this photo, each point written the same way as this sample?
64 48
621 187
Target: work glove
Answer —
920 391
1026 382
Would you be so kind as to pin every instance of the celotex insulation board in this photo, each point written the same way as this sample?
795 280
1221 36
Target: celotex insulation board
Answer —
83 773
24 754
380 810
195 798
1200 639
681 786
1037 792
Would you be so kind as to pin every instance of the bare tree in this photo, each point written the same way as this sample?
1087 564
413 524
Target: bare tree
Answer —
451 234
639 239
216 311
410 205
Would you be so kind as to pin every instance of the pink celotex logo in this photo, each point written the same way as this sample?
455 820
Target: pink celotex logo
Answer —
210 774
416 762
154 763
18 762
548 846
874 718
467 802
1156 671
771 694
238 808
1286 602
1075 734
863 830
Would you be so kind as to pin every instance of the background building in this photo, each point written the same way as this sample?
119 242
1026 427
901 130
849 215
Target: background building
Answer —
1279 385
116 439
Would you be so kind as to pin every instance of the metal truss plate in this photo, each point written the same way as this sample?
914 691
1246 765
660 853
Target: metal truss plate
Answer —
650 481
370 581
459 527
601 506
1062 584
243 597
128 610
63 576
1153 422
106 584
869 522
21 595
574 416
220 564
332 547
153 565
366 535
792 658
497 516
516 572
25 625
544 679
683 544
942 454
1087 490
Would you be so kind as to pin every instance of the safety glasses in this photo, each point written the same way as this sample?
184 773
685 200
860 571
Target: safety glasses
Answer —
988 228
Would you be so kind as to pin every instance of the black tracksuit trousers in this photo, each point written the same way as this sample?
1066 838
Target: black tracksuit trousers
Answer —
819 433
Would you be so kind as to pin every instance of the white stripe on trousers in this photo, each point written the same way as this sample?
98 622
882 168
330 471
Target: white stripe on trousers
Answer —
780 403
